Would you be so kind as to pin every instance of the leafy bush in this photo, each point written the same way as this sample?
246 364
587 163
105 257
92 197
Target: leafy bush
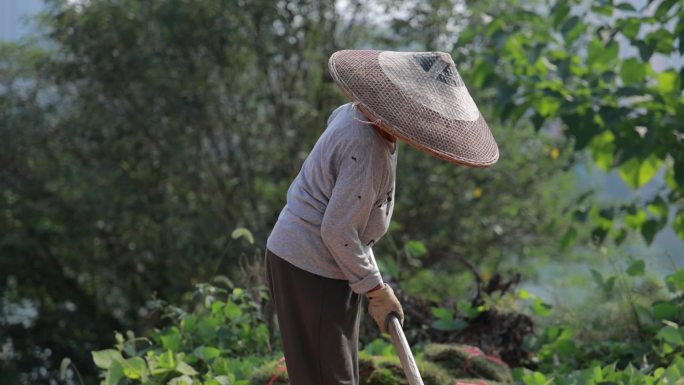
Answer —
656 346
224 340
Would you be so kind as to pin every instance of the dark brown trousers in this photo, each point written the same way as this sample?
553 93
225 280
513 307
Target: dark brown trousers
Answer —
319 324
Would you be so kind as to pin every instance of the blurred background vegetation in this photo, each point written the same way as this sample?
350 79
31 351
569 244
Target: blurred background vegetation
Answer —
135 136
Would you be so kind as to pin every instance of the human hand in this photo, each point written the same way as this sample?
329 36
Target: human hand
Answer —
381 303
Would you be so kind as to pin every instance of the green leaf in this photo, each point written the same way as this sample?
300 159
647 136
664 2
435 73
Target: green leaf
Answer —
207 353
668 82
646 49
569 238
662 40
180 380
678 224
601 54
466 36
602 148
664 8
637 268
546 106
659 208
166 360
481 72
636 173
649 230
189 324
572 29
540 308
636 219
598 278
626 7
207 328
598 234
606 10
416 248
671 335
184 368
103 358
566 346
232 310
442 313
171 341
663 310
243 232
629 27
134 368
453 325
560 11
114 374
675 281
633 71
389 267
524 294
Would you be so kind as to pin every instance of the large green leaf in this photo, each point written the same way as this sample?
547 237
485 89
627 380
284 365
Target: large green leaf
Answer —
135 368
104 358
637 172
232 310
207 353
637 268
626 7
633 71
560 11
630 26
649 230
114 374
670 334
601 54
668 82
184 368
664 310
665 7
171 341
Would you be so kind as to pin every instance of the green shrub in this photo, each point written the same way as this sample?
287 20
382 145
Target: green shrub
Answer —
224 340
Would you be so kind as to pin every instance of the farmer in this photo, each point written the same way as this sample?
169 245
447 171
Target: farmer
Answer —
319 256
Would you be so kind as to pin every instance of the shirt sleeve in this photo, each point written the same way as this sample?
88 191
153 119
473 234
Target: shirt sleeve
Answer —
346 216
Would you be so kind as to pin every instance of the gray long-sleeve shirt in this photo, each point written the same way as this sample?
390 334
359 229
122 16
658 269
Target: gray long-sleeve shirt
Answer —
340 203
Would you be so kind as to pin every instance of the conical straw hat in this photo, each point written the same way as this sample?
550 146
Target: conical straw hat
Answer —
420 98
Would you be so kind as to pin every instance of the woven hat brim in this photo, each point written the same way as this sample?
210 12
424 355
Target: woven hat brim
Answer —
359 76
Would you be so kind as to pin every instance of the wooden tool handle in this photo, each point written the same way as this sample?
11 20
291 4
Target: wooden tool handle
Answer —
404 351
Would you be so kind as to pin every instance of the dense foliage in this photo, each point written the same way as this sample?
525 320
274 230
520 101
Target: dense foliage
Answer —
223 340
589 69
138 134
